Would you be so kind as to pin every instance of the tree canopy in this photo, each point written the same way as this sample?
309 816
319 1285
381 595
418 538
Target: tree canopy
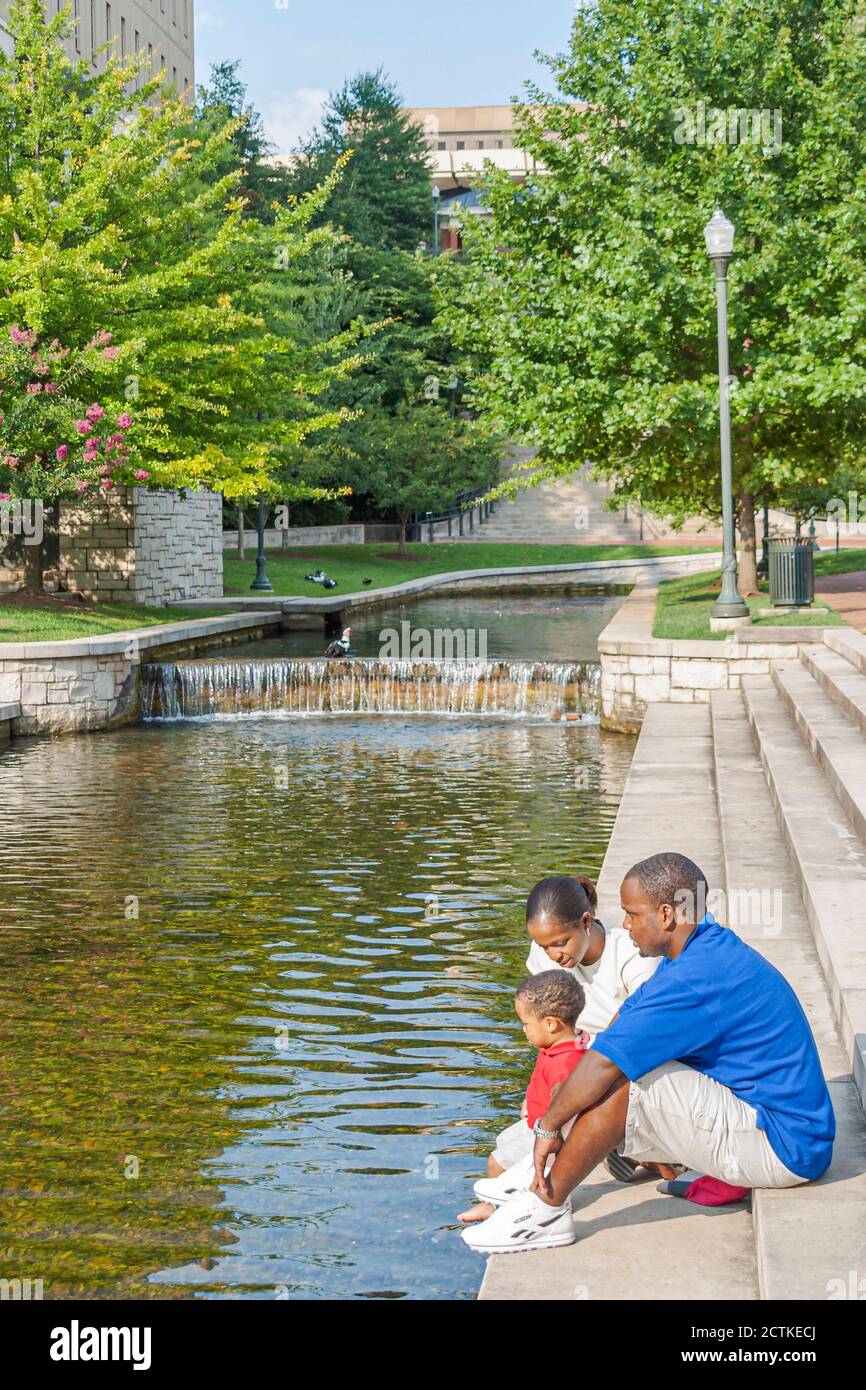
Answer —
588 317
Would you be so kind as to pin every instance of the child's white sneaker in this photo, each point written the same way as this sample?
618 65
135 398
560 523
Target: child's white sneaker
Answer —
516 1179
522 1223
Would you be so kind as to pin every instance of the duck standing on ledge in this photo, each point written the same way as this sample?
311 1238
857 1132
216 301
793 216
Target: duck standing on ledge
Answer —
340 648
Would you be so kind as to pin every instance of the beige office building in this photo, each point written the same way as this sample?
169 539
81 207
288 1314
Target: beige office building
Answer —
163 29
462 138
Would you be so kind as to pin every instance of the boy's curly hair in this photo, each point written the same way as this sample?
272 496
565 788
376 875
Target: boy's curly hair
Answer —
553 994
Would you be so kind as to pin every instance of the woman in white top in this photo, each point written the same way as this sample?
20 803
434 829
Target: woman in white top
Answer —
564 931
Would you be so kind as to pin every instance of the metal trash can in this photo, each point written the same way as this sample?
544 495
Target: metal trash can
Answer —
792 572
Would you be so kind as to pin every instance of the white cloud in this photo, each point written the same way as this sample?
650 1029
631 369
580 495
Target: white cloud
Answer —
206 19
289 118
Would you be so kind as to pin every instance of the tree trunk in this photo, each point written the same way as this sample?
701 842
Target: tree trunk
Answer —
402 535
32 568
748 567
241 552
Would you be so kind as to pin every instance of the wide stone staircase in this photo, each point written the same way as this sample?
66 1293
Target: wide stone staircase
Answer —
571 511
765 788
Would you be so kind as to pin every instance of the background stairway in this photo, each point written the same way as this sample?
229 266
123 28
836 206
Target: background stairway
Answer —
571 511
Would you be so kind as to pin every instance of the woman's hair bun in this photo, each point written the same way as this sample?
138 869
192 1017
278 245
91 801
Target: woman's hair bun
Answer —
590 889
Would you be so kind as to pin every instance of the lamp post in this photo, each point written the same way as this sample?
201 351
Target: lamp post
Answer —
719 237
261 581
437 195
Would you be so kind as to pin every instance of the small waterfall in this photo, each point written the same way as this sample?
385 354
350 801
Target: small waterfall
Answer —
522 689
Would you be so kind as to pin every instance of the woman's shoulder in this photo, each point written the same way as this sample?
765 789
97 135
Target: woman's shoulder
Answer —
633 968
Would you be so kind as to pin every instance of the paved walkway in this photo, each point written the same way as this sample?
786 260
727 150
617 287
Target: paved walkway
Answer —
847 594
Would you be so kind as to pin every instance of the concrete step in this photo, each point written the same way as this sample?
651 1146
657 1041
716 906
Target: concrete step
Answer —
843 682
828 735
828 860
765 908
848 643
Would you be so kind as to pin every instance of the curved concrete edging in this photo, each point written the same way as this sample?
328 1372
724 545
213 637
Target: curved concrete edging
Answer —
630 572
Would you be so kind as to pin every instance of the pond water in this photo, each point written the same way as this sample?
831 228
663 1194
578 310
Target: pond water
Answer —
550 627
257 980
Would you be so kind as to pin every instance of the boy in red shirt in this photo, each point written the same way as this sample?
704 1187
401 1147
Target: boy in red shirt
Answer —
548 1005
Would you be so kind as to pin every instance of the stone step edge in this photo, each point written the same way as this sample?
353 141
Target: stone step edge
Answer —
818 662
813 1213
819 745
849 1004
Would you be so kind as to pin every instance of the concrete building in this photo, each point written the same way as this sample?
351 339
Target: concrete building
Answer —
461 139
163 29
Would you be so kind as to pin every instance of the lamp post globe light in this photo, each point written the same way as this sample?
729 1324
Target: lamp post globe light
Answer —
719 237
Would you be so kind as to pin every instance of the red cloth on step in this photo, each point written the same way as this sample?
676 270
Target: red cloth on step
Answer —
712 1192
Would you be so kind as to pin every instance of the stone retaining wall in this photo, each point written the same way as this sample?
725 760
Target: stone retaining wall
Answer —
135 546
85 684
638 669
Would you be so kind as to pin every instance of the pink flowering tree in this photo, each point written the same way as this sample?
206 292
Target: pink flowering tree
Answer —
56 440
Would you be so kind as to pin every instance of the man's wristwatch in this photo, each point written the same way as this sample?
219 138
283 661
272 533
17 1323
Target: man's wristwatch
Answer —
545 1133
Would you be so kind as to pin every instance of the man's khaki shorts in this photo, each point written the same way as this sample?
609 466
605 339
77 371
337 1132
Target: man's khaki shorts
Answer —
679 1115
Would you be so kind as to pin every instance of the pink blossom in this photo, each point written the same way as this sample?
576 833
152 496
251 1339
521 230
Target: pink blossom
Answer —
81 486
94 412
107 483
124 421
62 453
34 388
24 337
82 426
51 388
111 354
141 474
11 462
105 471
5 496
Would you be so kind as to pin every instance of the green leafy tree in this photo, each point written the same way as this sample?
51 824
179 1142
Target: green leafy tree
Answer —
383 200
589 315
383 206
263 180
424 460
119 212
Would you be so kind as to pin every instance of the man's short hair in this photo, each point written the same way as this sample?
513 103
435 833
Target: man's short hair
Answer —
672 878
553 994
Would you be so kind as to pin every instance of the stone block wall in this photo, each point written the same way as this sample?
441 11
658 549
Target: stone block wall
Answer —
629 683
136 546
70 694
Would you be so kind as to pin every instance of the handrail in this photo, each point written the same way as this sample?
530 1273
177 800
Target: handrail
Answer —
458 511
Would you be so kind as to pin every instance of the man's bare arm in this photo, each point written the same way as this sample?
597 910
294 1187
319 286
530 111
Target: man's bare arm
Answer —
591 1079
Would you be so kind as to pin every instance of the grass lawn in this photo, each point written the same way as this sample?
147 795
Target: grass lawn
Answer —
683 609
843 562
23 622
350 564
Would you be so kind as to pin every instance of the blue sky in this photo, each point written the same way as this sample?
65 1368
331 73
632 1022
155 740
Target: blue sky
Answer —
441 53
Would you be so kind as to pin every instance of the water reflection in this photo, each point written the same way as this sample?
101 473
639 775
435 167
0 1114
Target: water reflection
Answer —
271 964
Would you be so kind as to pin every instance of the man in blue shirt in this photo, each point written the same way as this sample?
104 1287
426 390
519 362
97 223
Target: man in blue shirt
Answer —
711 1063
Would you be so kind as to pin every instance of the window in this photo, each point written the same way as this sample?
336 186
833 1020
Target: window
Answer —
481 144
77 31
442 145
174 77
108 33
499 144
122 37
461 144
92 33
